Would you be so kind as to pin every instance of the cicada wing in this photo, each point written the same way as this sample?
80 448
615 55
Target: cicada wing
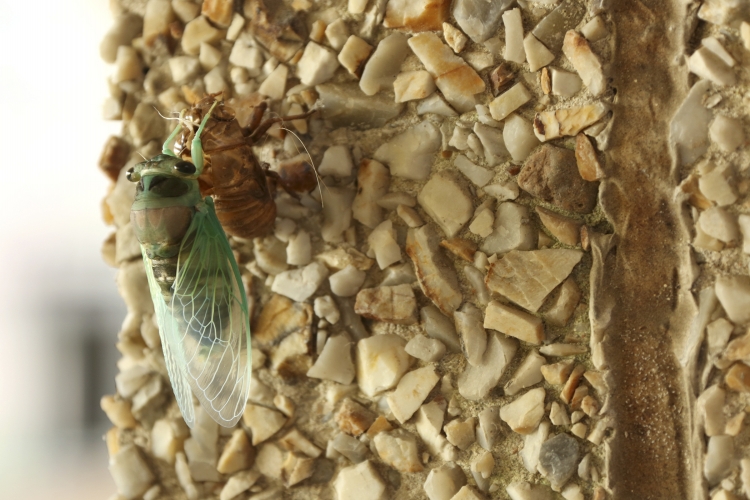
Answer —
209 306
173 354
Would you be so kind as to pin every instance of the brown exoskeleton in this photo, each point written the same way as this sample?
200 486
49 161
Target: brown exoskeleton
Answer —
242 188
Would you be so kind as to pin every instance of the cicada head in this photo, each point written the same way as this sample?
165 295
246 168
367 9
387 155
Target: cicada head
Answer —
165 177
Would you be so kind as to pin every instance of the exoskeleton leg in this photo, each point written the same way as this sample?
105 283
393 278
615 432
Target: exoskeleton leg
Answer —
196 146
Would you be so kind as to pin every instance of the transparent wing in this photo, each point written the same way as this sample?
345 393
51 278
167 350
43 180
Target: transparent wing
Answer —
204 324
209 311
173 355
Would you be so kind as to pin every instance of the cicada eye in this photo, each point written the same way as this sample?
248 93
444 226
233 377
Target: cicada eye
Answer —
129 175
185 167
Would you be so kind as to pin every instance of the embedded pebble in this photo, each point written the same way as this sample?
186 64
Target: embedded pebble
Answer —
409 216
274 86
411 391
429 424
383 244
563 83
337 33
391 201
578 51
347 282
130 473
552 29
527 374
561 349
558 459
588 164
689 127
536 53
349 447
489 428
514 323
410 154
439 327
468 322
737 378
565 229
483 223
413 85
519 137
335 361
437 278
734 294
532 445
435 104
199 31
493 143
725 132
156 20
381 362
450 217
715 186
563 303
552 175
337 213
237 455
337 161
476 174
383 65
476 279
479 19
456 80
444 482
475 382
124 29
509 101
460 433
360 481
467 493
127 65
393 304
719 458
354 54
263 422
316 65
300 284
595 29
118 412
558 415
706 64
513 230
454 37
514 46
528 277
399 450
481 468
182 471
425 348
298 249
567 121
419 15
524 414
353 418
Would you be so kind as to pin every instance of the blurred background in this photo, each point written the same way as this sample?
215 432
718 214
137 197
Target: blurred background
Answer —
59 307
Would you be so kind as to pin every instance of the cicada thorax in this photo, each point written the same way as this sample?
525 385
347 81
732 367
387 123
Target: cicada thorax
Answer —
232 176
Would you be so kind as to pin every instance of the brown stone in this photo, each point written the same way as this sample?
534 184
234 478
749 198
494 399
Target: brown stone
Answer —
416 15
380 424
460 248
557 373
738 377
545 80
392 304
218 11
552 175
588 164
114 156
280 318
739 348
501 77
353 418
565 229
572 384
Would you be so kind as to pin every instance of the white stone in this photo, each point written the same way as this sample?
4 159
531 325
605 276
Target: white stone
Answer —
383 243
513 230
436 276
209 56
183 477
337 213
274 86
509 101
483 223
459 138
514 46
183 68
444 482
239 483
337 33
519 137
384 64
476 174
520 490
317 64
727 133
562 349
476 279
263 422
468 322
399 450
356 6
489 428
347 282
710 405
460 433
572 492
165 442
481 468
467 493
567 121
745 35
558 415
199 31
247 56
349 447
361 482
130 380
744 224
235 27
130 473
475 382
454 37
689 127
524 414
439 327
335 362
719 459
450 217
337 161
715 186
373 180
425 348
410 154
706 64
127 65
300 284
734 294
413 85
493 143
298 250
503 191
437 105
401 274
715 46
429 424
411 391
565 84
527 374
585 61
532 445
720 224
745 467
391 201
536 53
595 29
381 362
409 216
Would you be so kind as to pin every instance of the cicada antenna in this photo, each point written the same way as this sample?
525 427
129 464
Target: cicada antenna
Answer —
312 163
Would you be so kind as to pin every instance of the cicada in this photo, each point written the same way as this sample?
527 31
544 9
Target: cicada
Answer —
242 189
199 301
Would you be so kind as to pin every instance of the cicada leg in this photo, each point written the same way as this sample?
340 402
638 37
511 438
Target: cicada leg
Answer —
165 149
196 146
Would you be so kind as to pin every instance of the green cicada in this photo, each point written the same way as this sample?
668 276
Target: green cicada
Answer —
199 301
